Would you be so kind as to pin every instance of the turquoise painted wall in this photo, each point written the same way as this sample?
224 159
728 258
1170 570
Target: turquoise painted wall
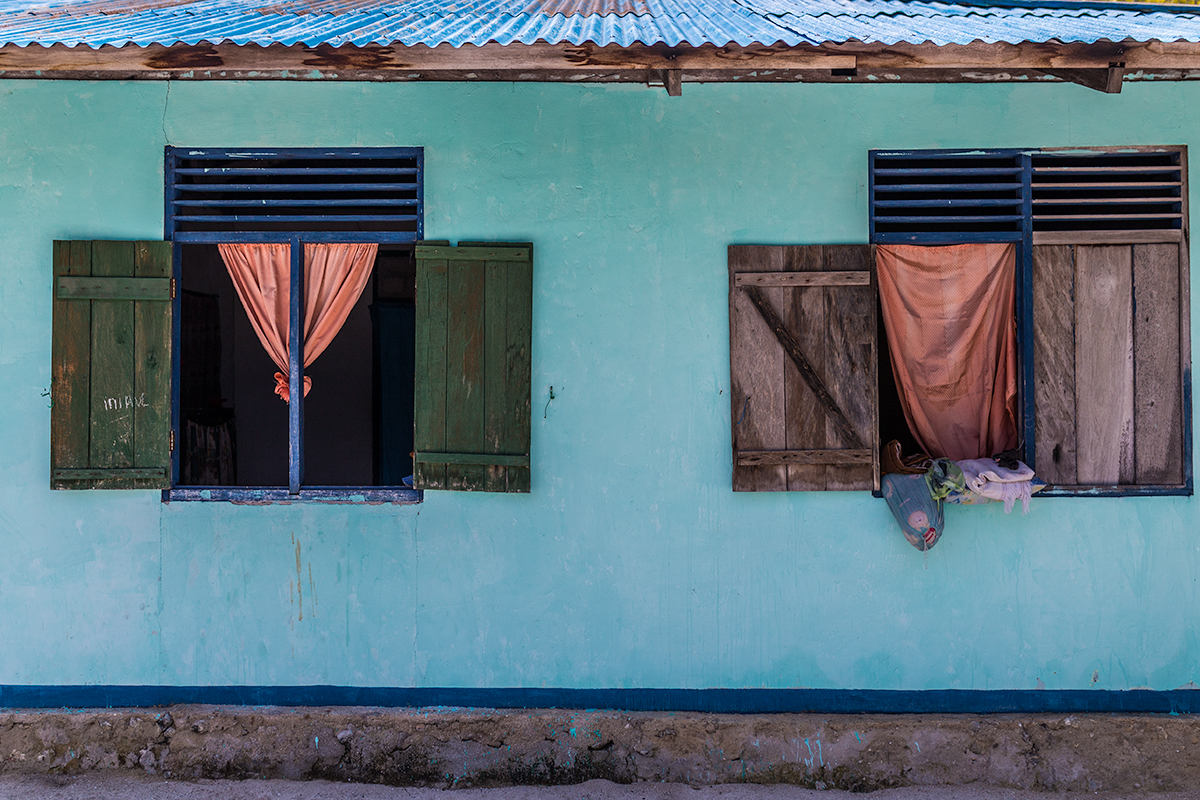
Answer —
632 563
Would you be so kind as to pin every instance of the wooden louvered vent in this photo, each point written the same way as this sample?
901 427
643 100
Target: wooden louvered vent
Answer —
309 190
1107 192
941 195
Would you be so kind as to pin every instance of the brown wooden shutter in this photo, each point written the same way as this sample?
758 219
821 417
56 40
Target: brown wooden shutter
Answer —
474 337
1111 352
111 393
803 367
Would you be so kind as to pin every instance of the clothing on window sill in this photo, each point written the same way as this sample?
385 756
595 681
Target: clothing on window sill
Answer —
992 482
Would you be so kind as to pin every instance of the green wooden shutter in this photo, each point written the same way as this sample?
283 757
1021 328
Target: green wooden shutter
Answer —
474 334
110 420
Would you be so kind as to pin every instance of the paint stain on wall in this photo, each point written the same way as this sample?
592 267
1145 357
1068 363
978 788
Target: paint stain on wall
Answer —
299 586
312 591
296 585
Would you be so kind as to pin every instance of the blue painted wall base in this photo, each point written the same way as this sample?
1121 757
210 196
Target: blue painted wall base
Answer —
713 701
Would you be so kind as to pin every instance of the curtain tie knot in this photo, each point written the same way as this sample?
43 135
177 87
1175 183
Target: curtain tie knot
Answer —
281 386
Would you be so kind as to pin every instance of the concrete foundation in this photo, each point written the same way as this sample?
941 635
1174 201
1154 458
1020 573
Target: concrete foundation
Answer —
453 747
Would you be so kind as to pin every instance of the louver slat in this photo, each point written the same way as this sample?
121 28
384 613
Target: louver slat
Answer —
1106 192
215 191
951 195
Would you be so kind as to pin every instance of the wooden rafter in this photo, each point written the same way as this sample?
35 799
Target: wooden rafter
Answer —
1102 80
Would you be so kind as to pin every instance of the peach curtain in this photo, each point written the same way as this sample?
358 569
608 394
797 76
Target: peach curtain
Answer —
334 277
950 318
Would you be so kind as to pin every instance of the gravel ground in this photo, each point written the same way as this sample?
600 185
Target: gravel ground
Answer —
106 786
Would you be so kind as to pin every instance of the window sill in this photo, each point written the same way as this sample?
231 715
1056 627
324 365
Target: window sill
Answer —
1170 490
263 496
1149 490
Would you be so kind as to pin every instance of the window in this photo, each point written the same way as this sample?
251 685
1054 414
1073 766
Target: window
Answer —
162 379
1102 320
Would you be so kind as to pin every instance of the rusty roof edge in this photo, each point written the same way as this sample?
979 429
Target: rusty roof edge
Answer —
1079 5
843 47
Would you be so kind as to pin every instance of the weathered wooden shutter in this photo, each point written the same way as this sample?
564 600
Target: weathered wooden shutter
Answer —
803 367
110 422
474 336
1111 350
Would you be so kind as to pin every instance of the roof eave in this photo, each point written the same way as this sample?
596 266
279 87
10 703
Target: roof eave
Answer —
839 62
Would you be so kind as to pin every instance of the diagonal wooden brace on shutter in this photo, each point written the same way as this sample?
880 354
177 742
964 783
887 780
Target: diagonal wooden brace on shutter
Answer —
792 347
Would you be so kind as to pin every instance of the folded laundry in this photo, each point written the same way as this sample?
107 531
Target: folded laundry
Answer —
986 478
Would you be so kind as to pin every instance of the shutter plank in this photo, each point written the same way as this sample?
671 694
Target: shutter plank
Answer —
509 320
1104 364
756 364
1158 422
830 278
465 359
430 385
1054 363
832 457
152 367
149 288
803 310
850 361
518 363
495 387
113 378
70 431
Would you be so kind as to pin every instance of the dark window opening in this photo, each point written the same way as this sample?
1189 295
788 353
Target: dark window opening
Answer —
358 416
892 422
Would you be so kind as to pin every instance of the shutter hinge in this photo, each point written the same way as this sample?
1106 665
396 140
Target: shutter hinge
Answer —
172 288
172 441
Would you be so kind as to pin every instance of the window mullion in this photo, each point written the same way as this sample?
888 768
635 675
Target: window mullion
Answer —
296 369
1025 310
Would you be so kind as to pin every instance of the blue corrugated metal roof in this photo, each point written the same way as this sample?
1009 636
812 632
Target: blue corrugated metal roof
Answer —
602 22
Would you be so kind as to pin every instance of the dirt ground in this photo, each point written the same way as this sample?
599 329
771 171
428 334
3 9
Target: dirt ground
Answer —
118 786
249 749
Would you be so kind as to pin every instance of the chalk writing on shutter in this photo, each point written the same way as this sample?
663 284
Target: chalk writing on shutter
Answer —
128 401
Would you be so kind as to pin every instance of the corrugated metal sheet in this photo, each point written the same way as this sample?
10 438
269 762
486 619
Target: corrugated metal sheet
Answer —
603 22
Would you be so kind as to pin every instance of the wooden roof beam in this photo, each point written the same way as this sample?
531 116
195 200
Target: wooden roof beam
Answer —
211 60
1082 63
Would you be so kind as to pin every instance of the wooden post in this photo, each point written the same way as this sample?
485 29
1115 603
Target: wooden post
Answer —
673 80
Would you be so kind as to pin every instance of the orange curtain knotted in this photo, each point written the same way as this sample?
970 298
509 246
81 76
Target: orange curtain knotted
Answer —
950 318
334 277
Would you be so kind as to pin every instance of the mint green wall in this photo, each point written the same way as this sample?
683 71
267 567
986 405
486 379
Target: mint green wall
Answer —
631 564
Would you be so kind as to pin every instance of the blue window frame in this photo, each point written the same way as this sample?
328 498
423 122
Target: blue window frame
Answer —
1133 196
295 196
